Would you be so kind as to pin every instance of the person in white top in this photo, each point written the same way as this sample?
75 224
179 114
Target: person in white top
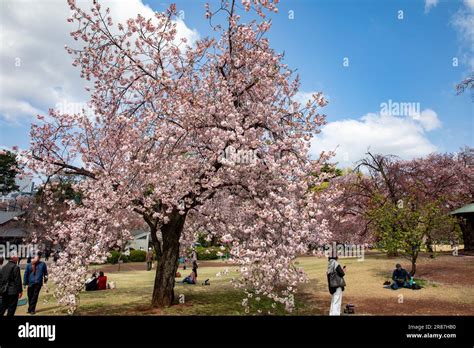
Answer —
336 284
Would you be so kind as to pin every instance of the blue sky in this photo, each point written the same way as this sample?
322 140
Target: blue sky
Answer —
407 60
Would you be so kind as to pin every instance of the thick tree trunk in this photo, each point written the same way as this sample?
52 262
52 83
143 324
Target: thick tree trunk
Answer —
163 292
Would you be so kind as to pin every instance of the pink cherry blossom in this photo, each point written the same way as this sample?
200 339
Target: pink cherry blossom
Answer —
164 115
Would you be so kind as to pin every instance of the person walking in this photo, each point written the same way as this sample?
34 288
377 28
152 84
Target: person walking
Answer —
149 259
35 273
10 286
336 284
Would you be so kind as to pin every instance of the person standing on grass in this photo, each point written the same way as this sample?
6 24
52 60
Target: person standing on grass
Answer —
336 283
1 265
149 259
195 268
10 286
35 273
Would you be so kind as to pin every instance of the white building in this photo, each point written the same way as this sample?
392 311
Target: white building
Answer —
141 240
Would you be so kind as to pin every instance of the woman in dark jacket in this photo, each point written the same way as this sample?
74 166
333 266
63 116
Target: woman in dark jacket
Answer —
10 277
336 284
91 283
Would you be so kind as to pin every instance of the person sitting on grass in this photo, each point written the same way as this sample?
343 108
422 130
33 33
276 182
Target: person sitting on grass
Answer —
101 281
400 277
91 283
190 279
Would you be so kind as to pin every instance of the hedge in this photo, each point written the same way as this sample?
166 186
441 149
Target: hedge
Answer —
114 257
137 256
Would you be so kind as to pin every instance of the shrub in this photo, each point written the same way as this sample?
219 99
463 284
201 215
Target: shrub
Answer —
114 257
137 256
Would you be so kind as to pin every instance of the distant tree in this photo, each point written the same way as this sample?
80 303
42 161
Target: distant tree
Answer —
405 226
403 204
9 169
444 178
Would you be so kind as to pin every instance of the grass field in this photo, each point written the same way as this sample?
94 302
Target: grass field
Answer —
448 290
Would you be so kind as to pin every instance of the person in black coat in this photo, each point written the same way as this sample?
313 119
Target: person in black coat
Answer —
400 277
1 265
10 275
91 283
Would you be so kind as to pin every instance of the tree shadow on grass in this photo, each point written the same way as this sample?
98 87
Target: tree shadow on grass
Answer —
199 300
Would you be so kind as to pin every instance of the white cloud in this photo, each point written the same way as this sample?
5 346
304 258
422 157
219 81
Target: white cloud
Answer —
429 4
469 3
303 97
386 134
428 119
463 22
35 69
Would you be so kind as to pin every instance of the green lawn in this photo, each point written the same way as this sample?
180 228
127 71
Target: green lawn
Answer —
448 289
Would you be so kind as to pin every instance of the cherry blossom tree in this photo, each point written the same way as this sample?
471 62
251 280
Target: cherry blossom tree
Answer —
164 115
405 204
340 212
445 178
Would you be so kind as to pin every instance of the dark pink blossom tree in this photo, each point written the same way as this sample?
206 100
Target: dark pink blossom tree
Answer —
403 203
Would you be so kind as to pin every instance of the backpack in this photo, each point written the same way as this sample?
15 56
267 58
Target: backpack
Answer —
4 281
